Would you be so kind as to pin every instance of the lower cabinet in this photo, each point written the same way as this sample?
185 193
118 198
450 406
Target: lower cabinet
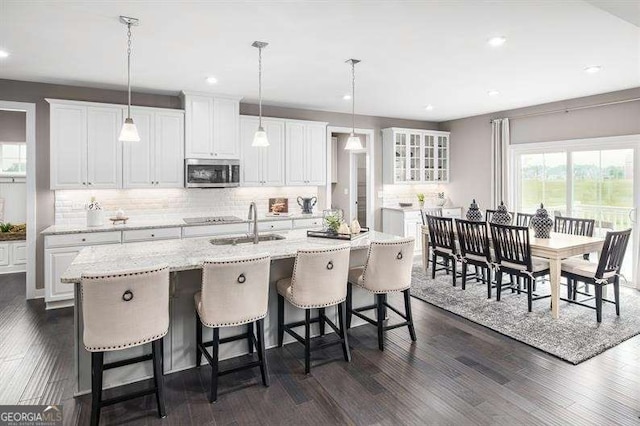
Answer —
408 223
13 257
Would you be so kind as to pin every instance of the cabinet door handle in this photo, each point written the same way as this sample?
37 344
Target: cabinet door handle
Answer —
89 183
84 239
153 235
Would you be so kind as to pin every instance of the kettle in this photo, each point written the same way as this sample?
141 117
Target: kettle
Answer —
307 204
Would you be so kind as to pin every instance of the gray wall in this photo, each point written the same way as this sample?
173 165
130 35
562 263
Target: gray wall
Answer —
344 120
19 91
471 137
13 126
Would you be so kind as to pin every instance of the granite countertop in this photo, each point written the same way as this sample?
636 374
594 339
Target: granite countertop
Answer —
190 254
133 224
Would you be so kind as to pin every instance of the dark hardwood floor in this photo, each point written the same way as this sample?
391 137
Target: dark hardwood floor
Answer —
456 373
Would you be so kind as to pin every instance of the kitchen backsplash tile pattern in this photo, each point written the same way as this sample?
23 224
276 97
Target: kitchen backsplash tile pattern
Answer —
163 204
394 194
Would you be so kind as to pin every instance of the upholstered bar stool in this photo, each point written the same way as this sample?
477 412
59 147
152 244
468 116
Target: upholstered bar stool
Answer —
234 293
122 310
318 282
388 270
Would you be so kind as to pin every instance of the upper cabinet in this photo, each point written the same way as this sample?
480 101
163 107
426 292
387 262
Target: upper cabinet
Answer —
262 166
306 153
212 126
415 156
86 154
157 161
85 151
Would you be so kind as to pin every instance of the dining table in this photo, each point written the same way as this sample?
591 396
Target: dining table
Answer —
555 249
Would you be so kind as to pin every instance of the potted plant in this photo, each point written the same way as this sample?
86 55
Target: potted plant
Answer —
333 222
420 200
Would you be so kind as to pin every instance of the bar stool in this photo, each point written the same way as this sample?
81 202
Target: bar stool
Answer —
122 310
234 293
388 269
318 281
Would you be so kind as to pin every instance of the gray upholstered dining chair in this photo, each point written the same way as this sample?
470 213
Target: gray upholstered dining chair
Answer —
122 310
388 270
319 281
234 293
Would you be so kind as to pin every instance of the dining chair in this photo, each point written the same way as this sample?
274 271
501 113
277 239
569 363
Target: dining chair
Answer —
473 240
443 245
606 271
524 219
430 211
513 256
574 226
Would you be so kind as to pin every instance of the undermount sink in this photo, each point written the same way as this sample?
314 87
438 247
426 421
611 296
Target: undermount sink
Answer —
232 241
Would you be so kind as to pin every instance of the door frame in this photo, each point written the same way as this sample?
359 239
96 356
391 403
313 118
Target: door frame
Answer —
30 110
370 160
584 144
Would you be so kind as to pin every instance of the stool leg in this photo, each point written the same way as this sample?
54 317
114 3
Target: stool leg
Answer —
343 331
349 304
213 395
198 341
158 377
380 322
407 311
250 337
97 363
280 320
321 322
307 341
264 369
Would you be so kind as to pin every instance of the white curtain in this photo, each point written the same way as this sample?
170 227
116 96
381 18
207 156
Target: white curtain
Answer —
500 140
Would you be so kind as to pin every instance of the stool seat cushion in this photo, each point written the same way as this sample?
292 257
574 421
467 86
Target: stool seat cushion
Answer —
583 268
285 290
197 298
284 287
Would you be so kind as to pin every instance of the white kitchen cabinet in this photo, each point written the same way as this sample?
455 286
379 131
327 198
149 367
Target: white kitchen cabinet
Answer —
408 223
211 126
60 250
136 235
68 146
104 168
157 161
315 222
211 230
274 225
262 166
4 254
305 153
413 156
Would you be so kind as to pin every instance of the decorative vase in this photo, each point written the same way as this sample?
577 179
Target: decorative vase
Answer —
542 223
501 216
473 213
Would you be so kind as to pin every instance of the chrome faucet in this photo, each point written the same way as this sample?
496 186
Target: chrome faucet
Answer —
253 209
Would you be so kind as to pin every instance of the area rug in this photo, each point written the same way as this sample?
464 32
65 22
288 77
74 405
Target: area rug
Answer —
574 337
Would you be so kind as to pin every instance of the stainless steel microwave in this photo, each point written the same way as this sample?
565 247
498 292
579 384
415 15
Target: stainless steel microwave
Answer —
211 173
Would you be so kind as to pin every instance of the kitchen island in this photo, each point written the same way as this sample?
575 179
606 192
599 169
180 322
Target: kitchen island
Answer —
185 259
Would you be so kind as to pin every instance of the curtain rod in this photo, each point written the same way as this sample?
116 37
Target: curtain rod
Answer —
566 110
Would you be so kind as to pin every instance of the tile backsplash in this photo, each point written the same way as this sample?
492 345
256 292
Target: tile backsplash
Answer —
394 194
175 203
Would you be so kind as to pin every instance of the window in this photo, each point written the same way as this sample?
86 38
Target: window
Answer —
13 158
543 179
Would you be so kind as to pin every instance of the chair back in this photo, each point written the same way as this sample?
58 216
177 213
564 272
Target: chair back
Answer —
473 238
512 246
524 219
124 309
613 251
435 211
389 265
441 233
574 226
234 292
320 276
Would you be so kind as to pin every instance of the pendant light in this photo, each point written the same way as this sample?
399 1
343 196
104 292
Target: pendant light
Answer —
260 137
354 141
129 132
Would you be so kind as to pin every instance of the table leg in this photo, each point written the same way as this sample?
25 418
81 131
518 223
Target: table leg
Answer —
554 277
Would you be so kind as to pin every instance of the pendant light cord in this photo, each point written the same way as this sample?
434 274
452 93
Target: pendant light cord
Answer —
353 97
260 86
129 70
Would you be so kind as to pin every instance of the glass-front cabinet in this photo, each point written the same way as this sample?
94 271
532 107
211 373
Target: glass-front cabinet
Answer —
415 156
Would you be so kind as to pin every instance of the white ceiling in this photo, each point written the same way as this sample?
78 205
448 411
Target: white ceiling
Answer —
413 53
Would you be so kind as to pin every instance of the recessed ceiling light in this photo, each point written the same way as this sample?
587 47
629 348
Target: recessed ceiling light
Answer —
212 80
4 54
493 93
429 107
497 41
347 97
593 69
